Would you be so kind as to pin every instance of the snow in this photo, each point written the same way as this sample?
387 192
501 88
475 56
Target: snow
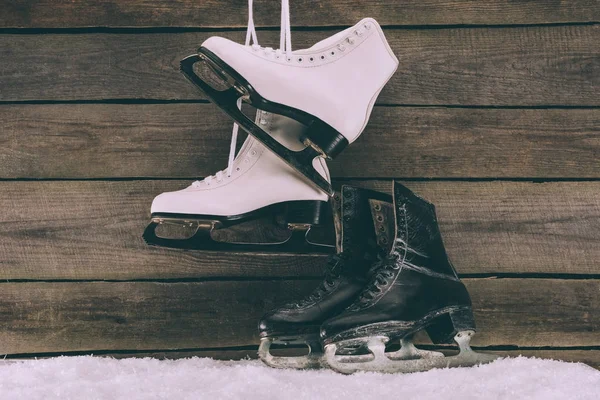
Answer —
89 378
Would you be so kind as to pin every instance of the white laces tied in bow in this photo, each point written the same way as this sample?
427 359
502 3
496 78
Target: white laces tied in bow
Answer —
285 44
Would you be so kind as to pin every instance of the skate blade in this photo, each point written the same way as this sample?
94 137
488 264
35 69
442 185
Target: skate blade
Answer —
404 361
313 360
296 242
223 89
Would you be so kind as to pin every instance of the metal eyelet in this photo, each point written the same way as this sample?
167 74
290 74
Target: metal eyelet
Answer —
253 153
377 207
358 32
311 59
367 26
333 53
237 169
379 218
322 56
300 60
350 40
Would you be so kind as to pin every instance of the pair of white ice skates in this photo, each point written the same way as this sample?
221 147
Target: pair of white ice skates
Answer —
310 105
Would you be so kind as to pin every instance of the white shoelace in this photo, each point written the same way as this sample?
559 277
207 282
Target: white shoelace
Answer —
285 44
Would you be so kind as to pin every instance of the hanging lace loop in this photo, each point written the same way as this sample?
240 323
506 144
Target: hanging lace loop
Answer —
285 44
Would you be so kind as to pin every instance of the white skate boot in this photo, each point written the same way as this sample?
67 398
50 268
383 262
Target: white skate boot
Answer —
329 88
256 183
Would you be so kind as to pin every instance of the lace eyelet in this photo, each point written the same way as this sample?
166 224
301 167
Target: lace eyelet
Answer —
300 60
237 169
333 53
311 59
322 57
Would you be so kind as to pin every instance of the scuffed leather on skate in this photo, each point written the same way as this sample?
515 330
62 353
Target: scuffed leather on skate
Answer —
358 232
414 280
336 211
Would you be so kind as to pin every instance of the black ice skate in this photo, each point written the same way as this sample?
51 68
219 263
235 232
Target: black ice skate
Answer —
346 275
415 288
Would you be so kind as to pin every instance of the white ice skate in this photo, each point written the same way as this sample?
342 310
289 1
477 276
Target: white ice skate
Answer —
329 88
255 183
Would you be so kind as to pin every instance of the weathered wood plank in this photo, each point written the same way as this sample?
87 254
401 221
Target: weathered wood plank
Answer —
54 317
92 230
589 357
188 140
547 65
221 13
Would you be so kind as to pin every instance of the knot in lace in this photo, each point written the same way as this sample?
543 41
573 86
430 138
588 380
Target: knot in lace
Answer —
217 177
380 275
333 270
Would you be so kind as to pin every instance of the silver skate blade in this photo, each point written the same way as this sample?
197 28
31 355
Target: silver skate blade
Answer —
381 362
188 222
199 237
408 351
313 360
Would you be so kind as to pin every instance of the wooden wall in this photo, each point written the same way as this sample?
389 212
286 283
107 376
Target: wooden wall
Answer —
494 115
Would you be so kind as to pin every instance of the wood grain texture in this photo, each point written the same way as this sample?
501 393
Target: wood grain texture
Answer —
533 66
589 357
55 317
221 13
92 230
192 140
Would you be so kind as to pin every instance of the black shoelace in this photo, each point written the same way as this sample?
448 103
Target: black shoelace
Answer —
333 270
380 275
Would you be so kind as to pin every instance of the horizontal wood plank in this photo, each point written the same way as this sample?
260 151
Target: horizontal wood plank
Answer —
533 66
222 13
92 230
589 357
192 140
55 317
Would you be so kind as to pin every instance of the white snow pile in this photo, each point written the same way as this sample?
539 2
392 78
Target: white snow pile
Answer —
203 378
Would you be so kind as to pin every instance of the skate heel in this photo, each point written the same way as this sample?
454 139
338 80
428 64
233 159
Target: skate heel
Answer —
444 328
324 139
303 214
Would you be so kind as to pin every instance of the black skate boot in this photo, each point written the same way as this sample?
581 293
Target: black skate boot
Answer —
345 277
414 288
